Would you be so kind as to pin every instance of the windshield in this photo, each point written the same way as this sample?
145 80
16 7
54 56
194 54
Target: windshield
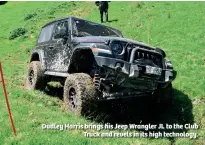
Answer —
83 28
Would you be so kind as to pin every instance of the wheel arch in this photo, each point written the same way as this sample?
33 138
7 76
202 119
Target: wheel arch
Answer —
81 60
38 55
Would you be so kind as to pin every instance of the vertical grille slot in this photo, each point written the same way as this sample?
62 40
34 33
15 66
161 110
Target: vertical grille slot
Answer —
140 53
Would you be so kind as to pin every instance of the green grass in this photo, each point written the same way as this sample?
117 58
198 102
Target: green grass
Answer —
177 27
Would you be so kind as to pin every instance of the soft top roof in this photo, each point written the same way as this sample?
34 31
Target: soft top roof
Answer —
59 19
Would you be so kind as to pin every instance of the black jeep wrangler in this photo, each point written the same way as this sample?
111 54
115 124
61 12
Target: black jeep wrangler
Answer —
95 62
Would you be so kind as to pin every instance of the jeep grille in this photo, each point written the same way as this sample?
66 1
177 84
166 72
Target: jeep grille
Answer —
146 56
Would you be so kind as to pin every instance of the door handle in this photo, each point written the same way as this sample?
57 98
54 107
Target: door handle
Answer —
51 47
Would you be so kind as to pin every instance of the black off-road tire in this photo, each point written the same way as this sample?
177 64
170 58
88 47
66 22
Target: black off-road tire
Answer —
35 79
81 85
163 96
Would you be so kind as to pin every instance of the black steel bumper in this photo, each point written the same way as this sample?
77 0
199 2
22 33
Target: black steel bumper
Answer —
133 70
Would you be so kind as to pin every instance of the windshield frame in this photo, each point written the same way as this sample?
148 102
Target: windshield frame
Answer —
116 31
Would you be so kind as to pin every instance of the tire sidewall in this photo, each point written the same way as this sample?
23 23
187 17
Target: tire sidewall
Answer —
85 93
39 78
68 85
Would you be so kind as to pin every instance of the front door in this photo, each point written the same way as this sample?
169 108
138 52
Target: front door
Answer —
57 50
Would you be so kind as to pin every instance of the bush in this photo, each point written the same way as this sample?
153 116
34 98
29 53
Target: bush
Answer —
29 16
16 33
139 5
66 5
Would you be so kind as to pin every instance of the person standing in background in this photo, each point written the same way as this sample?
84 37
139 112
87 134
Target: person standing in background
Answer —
103 7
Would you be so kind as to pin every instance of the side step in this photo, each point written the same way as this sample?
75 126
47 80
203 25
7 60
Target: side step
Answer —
59 74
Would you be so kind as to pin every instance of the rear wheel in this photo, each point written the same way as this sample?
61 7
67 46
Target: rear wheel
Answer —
79 94
35 78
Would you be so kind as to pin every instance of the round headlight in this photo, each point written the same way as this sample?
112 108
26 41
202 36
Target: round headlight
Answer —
117 48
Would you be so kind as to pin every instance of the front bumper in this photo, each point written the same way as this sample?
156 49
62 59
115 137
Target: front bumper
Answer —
135 71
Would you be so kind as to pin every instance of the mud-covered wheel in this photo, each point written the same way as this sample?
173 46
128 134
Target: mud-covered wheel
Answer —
80 94
35 78
164 96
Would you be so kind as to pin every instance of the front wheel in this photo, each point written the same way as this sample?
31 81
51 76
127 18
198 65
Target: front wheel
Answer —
79 94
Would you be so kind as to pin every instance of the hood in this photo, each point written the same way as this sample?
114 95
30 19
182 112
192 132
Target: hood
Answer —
104 39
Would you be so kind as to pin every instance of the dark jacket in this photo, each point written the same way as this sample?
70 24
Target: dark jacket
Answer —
103 5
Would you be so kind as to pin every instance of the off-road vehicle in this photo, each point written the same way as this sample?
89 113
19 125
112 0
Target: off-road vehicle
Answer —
95 62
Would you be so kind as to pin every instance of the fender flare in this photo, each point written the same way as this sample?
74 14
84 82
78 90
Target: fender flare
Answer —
41 56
